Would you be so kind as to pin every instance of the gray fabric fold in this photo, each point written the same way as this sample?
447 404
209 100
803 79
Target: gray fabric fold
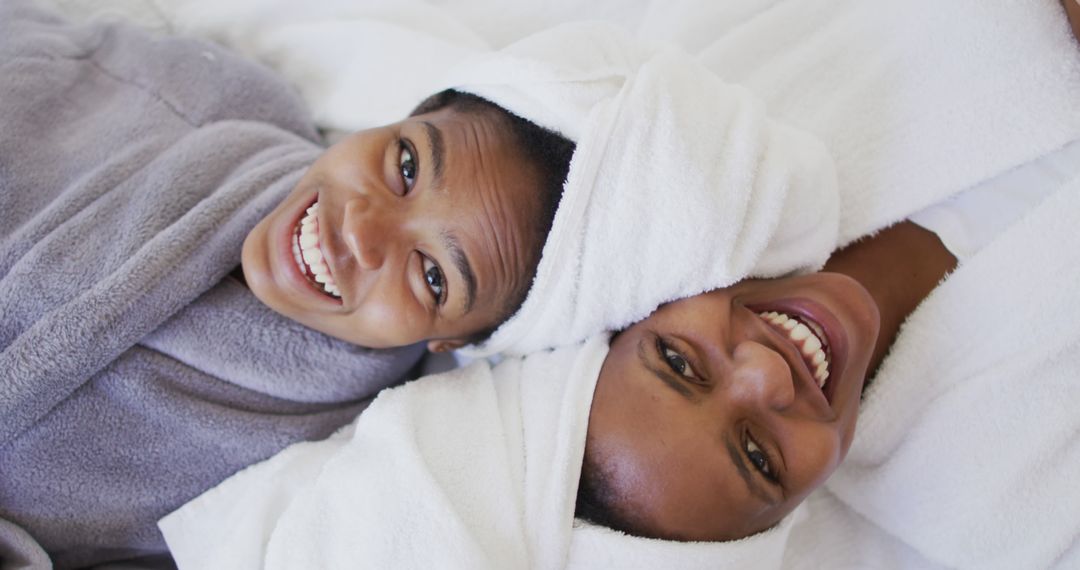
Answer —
134 374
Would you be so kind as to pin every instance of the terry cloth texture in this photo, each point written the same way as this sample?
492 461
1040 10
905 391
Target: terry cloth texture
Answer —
476 468
967 442
911 117
680 183
133 374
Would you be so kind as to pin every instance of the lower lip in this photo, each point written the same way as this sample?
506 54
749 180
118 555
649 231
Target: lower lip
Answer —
295 274
834 333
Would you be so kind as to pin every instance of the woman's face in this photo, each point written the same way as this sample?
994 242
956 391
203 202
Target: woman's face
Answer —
415 231
708 421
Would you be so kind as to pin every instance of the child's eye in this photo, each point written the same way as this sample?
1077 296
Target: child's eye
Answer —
759 459
675 361
435 280
407 165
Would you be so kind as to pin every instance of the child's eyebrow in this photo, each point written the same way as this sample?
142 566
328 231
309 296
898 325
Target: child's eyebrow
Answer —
457 255
438 151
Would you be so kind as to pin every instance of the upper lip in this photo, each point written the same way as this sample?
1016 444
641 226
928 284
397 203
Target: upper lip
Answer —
794 358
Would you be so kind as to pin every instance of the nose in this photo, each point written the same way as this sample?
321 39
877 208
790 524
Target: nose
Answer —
367 231
761 378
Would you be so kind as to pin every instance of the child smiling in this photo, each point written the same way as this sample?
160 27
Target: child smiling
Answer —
424 230
136 175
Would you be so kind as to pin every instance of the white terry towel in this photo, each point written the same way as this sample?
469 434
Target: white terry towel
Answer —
967 447
916 100
476 468
680 183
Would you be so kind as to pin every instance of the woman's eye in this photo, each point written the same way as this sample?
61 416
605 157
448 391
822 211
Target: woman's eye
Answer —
436 283
407 165
759 459
676 361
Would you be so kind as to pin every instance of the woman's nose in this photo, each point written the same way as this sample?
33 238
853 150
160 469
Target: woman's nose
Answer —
367 231
760 377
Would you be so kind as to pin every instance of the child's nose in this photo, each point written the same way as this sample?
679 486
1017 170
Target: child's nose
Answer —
367 231
761 377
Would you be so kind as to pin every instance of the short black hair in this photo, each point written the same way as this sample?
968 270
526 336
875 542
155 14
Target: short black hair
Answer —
598 503
550 154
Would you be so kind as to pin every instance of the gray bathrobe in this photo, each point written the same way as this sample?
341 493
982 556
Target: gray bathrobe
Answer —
134 372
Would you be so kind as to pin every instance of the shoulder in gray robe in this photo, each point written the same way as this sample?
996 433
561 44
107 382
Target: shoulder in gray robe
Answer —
134 373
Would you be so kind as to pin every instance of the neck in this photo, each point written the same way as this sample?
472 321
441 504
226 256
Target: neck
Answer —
899 266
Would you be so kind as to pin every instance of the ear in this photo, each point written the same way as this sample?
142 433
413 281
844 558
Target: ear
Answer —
446 344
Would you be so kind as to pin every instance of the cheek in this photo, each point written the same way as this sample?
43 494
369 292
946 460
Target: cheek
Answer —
390 317
817 454
253 252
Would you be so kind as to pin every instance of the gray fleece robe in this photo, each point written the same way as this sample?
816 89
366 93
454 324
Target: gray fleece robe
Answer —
134 372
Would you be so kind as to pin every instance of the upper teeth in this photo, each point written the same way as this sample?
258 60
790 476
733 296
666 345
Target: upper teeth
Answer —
308 254
807 337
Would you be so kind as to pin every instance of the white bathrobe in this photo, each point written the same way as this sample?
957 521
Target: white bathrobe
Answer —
476 468
965 453
967 447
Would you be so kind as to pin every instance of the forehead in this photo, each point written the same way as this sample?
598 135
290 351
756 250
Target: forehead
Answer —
489 191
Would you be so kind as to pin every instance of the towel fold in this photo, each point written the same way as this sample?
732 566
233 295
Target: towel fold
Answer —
681 183
475 468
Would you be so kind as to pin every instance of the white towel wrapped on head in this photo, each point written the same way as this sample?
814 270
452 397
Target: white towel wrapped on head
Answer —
475 468
680 183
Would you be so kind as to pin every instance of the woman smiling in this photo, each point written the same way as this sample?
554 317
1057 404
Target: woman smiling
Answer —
718 414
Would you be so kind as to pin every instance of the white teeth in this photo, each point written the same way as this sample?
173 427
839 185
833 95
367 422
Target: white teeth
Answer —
309 255
297 255
313 256
807 339
308 240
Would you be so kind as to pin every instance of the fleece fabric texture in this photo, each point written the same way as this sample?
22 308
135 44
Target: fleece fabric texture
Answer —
473 469
133 373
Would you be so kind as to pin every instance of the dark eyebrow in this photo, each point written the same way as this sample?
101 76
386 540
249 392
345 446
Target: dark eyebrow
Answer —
438 151
752 484
457 255
671 381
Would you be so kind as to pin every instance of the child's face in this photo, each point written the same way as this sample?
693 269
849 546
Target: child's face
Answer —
422 231
708 420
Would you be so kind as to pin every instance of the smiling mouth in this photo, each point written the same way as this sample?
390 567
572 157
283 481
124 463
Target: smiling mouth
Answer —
809 339
308 255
